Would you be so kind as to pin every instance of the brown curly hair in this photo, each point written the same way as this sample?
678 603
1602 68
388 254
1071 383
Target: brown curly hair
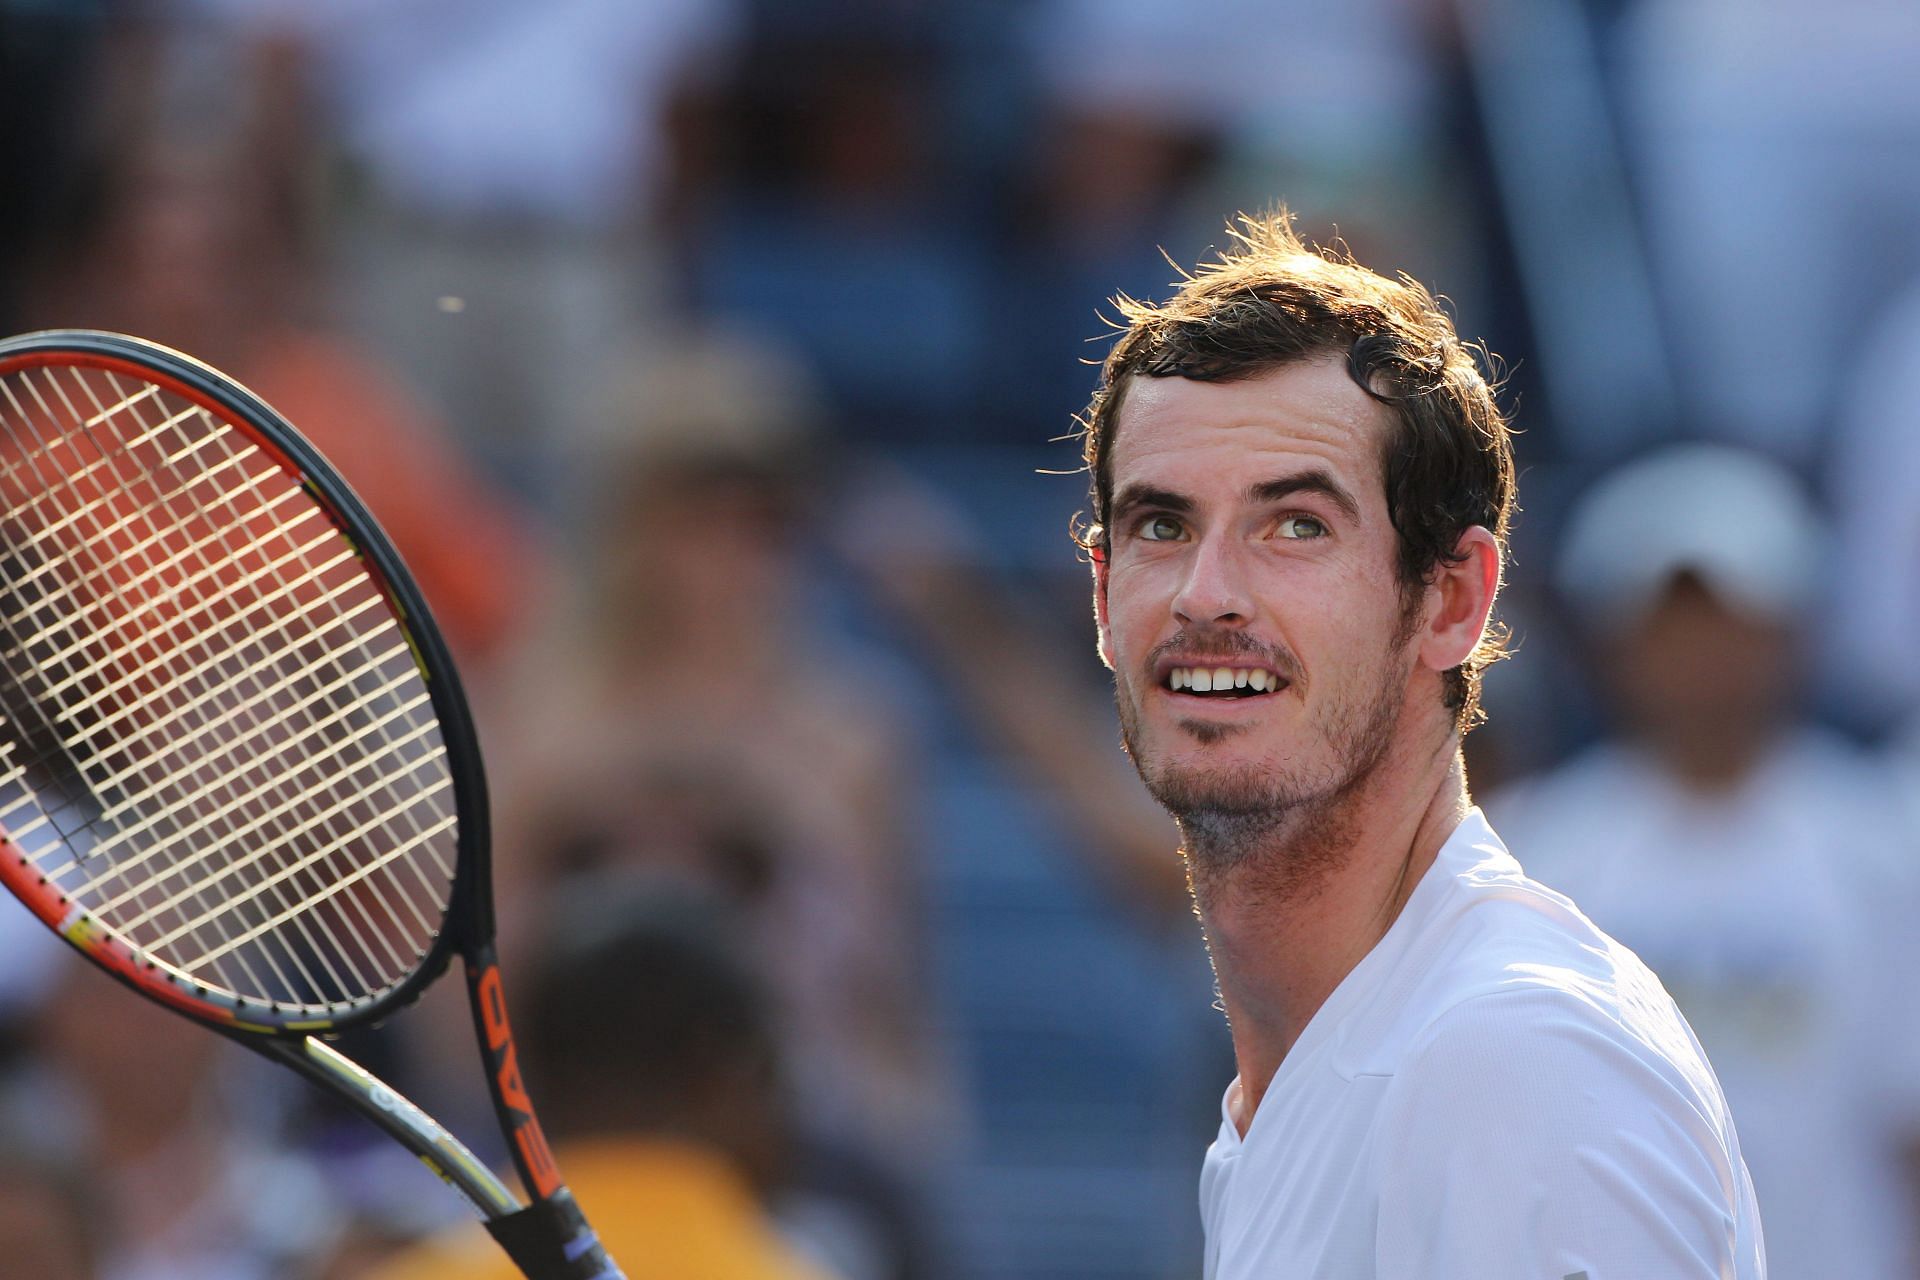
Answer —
1271 300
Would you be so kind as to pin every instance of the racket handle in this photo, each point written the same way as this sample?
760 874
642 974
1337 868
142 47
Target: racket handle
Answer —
550 1240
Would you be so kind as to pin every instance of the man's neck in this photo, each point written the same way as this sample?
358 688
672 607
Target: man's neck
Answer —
1288 920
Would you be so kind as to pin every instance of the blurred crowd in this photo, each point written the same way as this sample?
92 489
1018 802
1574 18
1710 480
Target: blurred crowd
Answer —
711 362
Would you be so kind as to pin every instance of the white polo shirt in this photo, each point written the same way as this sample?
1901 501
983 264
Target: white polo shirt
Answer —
1498 1090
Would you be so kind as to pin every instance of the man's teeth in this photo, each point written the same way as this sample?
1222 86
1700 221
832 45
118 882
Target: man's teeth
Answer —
1212 679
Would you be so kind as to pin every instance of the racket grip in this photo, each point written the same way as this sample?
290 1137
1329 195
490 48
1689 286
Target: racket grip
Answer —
551 1240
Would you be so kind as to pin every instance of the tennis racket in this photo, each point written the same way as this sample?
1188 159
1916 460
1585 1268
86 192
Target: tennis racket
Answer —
236 768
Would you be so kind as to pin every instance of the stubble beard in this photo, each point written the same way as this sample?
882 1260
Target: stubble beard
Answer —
1279 831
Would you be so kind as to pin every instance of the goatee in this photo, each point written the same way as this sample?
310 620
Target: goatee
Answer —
1284 828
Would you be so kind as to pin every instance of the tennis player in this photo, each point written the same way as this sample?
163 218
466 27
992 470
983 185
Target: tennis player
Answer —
1301 490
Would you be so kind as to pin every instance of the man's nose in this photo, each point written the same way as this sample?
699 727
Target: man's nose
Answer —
1215 588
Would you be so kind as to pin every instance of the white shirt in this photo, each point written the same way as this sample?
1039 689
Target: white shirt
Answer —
1496 1090
1779 916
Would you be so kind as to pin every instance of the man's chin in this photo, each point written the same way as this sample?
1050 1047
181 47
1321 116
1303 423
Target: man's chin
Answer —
1186 787
1193 765
1208 732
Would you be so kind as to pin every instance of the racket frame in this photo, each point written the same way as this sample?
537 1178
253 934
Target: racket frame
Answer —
467 925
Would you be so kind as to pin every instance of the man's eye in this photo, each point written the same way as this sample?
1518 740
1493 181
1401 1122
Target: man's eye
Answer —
1302 527
1161 529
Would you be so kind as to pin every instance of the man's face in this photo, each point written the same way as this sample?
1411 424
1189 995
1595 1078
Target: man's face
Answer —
1249 536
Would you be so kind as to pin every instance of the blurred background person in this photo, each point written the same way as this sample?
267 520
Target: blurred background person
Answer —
505 179
180 1134
673 1133
916 552
834 222
49 1225
1762 863
695 714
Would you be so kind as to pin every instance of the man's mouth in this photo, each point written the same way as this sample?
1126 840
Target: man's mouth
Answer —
1224 682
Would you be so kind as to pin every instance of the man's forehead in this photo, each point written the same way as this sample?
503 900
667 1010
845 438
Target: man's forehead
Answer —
1312 412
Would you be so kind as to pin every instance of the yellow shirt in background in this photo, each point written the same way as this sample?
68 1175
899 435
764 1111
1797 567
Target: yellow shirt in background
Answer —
664 1211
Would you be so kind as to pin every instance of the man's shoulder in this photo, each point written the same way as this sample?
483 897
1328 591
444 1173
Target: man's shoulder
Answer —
1548 1067
1514 965
1544 1122
1562 1030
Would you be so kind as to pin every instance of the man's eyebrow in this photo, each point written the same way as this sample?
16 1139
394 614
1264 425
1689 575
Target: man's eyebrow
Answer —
1135 496
1315 481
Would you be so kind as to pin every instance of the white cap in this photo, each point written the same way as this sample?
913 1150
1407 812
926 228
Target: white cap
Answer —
1738 521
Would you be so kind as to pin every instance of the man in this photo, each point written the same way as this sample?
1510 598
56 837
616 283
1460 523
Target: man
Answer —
1762 864
1301 487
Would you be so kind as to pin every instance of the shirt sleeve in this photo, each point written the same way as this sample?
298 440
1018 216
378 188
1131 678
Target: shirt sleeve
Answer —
1530 1136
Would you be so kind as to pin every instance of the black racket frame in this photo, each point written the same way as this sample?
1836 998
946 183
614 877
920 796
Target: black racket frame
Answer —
548 1238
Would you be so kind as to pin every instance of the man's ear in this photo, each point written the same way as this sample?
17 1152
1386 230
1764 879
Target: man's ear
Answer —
1460 600
1097 557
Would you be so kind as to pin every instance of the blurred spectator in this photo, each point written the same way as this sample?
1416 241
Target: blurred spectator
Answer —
1761 864
504 170
1105 178
49 1227
1331 107
835 227
1148 119
652 1046
694 686
487 180
49 61
190 1179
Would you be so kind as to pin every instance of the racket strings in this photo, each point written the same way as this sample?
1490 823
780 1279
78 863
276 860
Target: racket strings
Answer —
266 804
69 773
93 787
101 789
433 795
396 659
123 524
128 833
310 571
298 808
